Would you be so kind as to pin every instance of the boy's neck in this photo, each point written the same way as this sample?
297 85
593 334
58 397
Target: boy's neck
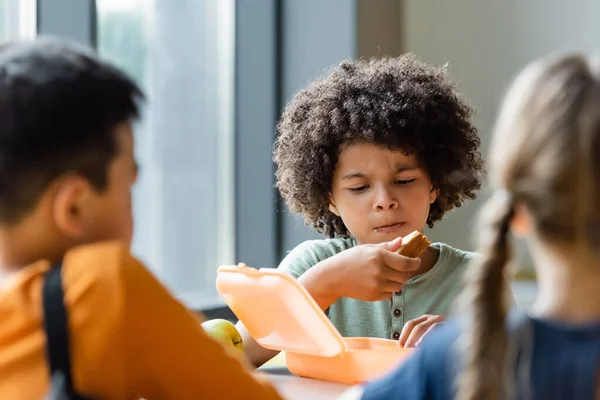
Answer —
24 245
428 260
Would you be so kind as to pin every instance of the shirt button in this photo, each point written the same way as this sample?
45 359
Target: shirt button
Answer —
398 293
397 312
396 335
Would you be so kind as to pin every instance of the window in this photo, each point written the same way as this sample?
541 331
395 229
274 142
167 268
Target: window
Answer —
181 53
17 19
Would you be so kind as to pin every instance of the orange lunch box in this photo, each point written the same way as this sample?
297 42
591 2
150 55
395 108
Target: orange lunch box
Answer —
281 315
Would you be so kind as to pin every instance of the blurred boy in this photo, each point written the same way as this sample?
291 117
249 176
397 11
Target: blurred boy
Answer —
66 171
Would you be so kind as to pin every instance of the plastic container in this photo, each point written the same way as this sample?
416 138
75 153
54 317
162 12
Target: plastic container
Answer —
281 315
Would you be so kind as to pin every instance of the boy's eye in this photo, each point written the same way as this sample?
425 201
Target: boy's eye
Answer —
359 189
404 181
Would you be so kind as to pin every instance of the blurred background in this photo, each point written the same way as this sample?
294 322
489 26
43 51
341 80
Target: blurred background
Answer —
217 74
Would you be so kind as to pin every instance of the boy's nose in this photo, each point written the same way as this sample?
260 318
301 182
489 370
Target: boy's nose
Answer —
385 201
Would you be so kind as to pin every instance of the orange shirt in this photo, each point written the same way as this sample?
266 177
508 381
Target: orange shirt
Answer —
129 337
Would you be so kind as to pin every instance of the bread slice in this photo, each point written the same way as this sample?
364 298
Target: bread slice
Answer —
414 244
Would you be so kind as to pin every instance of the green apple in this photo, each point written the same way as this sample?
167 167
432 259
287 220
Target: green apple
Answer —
225 332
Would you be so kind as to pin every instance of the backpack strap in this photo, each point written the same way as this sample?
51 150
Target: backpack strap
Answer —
56 328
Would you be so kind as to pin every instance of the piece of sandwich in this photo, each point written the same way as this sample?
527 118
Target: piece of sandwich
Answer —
414 244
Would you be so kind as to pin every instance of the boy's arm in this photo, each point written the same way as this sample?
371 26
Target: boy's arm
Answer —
319 281
342 274
256 354
167 353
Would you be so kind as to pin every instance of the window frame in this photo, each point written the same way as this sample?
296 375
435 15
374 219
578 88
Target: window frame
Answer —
256 105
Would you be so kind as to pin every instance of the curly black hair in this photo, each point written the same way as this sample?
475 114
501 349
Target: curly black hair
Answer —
400 103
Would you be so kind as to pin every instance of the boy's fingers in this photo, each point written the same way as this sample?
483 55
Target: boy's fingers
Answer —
391 286
394 245
408 328
432 327
399 262
396 277
416 334
416 329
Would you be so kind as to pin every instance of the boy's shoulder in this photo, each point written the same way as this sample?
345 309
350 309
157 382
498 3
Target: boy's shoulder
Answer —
111 248
98 258
100 281
453 256
96 267
100 269
311 252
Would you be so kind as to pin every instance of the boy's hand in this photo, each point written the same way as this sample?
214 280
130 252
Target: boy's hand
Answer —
415 330
370 272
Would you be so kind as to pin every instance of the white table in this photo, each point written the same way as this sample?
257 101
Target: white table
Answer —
295 388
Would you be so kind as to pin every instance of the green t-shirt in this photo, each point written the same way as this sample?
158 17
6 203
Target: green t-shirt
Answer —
432 292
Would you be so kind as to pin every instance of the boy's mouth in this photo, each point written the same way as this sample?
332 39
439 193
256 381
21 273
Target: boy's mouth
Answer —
390 228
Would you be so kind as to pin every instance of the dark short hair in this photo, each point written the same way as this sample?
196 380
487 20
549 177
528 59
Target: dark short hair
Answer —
400 103
59 106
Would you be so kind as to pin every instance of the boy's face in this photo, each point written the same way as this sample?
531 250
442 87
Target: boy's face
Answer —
83 214
110 211
380 194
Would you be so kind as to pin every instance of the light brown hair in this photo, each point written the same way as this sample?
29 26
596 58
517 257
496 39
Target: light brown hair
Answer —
546 158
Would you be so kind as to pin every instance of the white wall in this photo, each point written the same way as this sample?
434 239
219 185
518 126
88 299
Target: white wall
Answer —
486 43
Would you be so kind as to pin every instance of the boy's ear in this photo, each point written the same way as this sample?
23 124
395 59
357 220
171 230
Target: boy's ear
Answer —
69 206
433 195
521 223
333 207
